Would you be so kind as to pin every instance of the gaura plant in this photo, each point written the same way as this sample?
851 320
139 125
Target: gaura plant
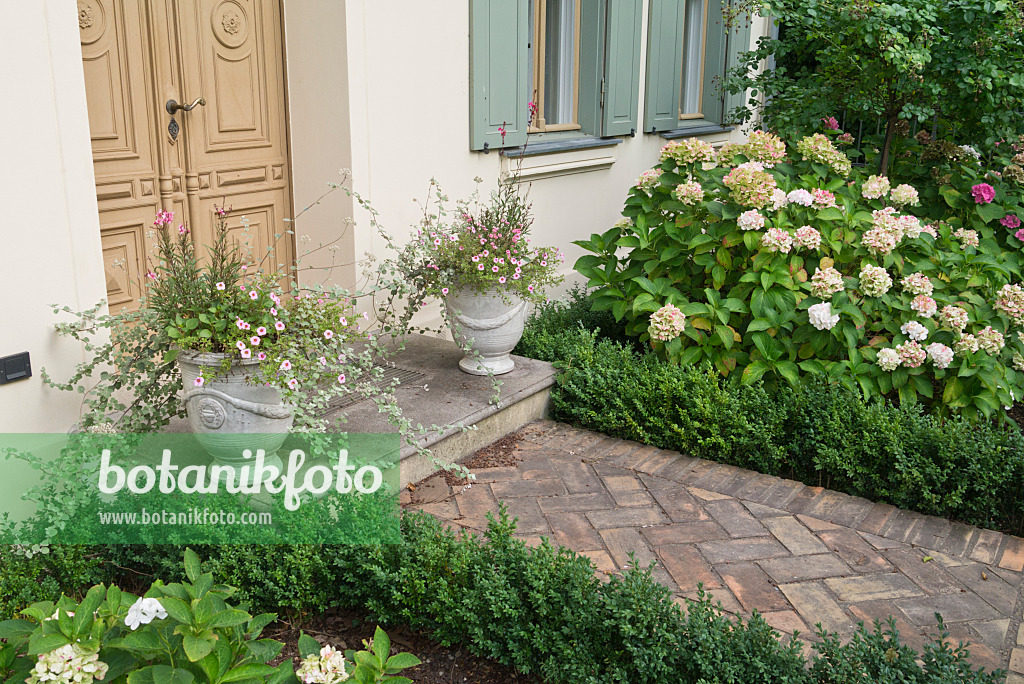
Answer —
774 261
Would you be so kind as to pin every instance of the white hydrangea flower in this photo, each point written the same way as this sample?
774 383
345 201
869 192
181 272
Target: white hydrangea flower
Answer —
940 354
144 611
821 316
914 330
888 359
800 196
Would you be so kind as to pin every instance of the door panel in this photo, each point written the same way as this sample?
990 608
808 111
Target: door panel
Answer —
115 60
237 144
233 151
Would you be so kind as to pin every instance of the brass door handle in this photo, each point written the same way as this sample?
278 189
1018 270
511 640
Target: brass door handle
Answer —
172 106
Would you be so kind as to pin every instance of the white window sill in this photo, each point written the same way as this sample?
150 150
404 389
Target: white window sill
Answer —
559 157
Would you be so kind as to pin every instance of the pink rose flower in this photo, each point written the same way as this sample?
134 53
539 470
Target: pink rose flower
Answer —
983 193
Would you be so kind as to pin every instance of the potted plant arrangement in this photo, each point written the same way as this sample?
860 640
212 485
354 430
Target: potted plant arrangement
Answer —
245 348
484 269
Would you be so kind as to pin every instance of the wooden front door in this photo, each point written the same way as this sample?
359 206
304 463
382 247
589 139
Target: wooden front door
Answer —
138 55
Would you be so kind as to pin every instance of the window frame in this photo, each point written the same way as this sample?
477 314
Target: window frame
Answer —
698 115
538 51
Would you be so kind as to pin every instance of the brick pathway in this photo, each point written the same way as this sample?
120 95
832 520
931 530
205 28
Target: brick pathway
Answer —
798 555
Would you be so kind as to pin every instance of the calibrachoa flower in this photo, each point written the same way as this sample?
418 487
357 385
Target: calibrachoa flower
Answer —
326 668
918 284
874 280
278 325
801 197
1010 300
818 148
990 340
328 334
766 148
953 317
750 185
924 305
144 611
983 193
911 354
825 283
751 220
823 198
69 663
904 195
199 382
914 330
968 238
341 378
821 316
807 237
777 240
286 365
688 151
667 323
940 354
293 384
1010 221
875 187
649 180
689 193
888 359
221 286
966 344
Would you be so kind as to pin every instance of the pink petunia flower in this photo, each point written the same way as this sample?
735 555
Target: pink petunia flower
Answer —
255 340
246 353
293 384
240 344
343 320
221 285
253 294
444 290
261 331
286 365
341 378
262 356
199 382
328 334
278 325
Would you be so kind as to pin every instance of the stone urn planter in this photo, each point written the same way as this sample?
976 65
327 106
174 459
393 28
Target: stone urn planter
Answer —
229 414
491 326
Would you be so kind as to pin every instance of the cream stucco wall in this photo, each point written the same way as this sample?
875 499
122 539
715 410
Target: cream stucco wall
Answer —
408 79
50 225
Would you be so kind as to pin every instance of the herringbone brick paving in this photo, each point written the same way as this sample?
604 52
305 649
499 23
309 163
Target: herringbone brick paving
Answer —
798 555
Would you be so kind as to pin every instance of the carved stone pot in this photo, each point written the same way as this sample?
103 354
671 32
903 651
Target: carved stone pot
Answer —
228 414
490 324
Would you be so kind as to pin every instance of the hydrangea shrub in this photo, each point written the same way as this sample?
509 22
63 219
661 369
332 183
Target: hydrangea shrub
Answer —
786 262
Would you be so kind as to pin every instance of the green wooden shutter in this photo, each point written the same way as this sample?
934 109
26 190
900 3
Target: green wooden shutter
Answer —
739 42
714 64
664 60
498 83
622 67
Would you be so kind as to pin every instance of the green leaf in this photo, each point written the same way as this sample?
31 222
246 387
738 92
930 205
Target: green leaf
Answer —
990 212
381 644
690 355
228 618
193 567
308 645
177 609
161 674
831 214
401 661
249 671
145 640
789 371
196 648
753 372
16 629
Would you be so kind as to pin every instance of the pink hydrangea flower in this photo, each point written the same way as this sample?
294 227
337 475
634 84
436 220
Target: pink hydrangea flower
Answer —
667 323
831 123
807 237
924 305
1010 221
911 354
983 193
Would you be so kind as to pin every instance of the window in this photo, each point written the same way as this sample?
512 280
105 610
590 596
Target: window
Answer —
695 29
689 51
579 60
553 63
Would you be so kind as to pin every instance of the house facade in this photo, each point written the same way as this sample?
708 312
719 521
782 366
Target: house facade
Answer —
119 109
